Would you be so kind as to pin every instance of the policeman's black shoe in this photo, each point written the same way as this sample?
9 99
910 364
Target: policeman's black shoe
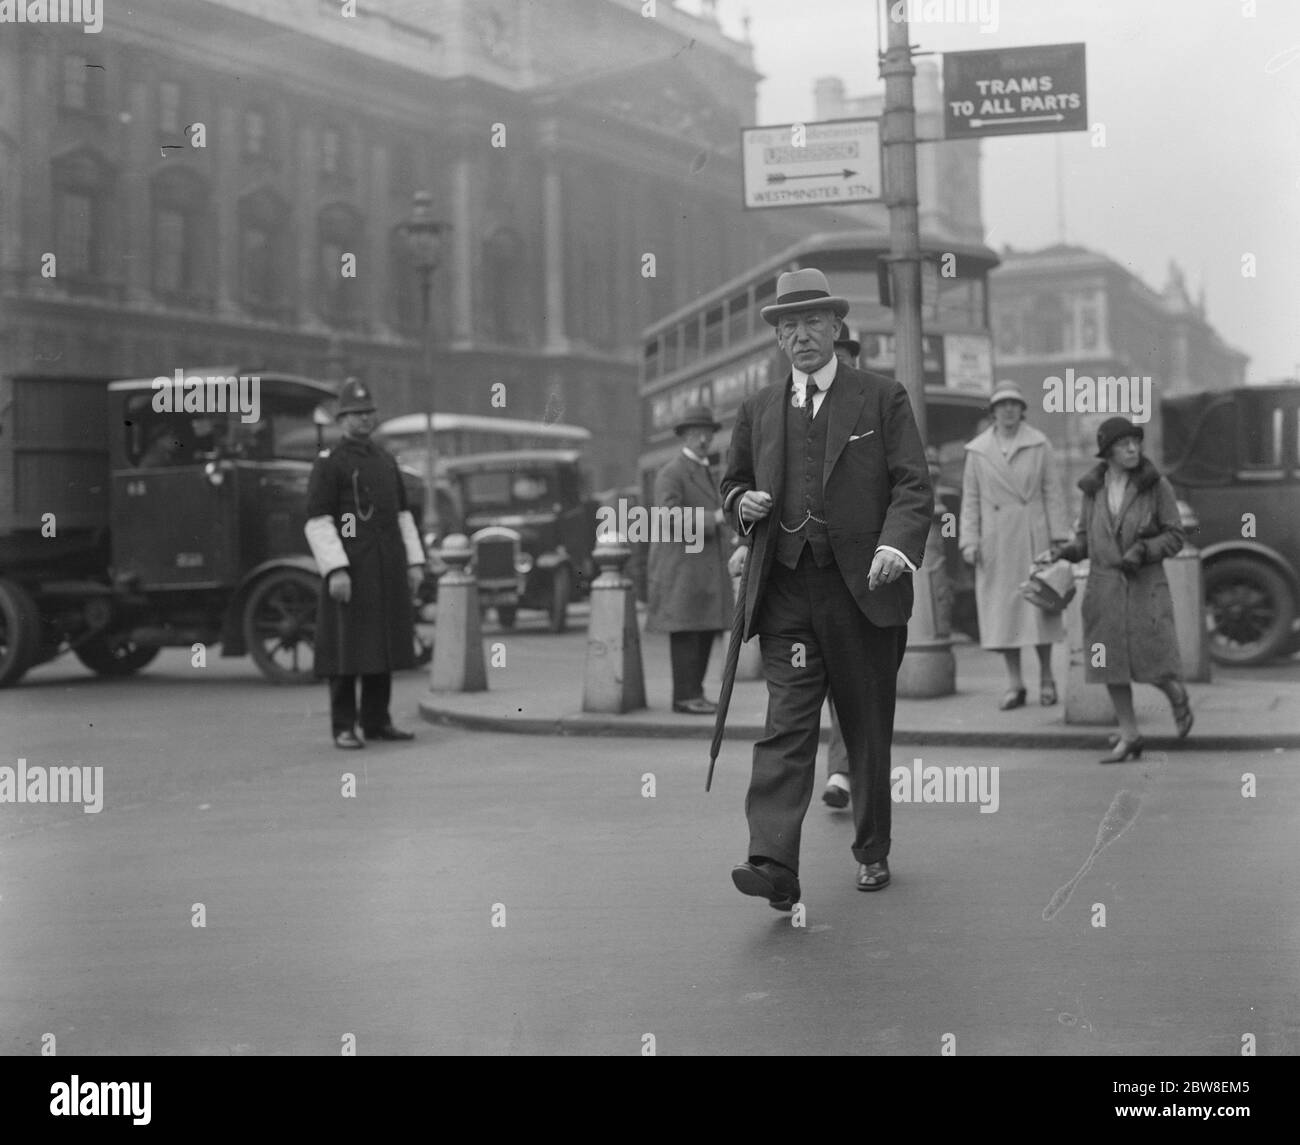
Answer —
347 740
873 876
778 884
390 733
835 796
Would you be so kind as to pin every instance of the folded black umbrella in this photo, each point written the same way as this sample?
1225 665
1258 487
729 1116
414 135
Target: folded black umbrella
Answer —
729 670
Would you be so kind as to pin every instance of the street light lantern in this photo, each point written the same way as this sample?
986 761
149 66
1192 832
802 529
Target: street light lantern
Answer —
424 234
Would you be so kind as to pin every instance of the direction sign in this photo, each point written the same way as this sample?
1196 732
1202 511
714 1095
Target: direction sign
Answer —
811 164
1014 91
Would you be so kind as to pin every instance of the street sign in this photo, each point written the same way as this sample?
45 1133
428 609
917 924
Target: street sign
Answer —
811 164
1014 91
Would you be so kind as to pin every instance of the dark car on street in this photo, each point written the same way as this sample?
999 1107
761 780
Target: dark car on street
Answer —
531 520
1234 457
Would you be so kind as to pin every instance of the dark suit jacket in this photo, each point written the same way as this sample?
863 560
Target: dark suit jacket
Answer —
876 487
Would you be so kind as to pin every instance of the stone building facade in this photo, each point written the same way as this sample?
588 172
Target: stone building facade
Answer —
202 169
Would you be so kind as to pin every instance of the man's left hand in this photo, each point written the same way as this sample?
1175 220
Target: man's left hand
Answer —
886 567
415 578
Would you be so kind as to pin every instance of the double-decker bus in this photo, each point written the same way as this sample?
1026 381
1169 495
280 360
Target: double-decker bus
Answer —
718 350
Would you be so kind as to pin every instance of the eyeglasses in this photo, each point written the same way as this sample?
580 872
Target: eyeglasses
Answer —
813 323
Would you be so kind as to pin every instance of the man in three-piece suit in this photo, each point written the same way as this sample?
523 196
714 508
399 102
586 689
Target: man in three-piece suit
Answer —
827 472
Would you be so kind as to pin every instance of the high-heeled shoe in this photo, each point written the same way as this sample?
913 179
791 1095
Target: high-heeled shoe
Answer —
1183 718
1125 749
1012 698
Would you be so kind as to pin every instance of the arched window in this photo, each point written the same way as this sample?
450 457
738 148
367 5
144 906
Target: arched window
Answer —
338 234
504 293
179 215
1045 332
263 252
83 194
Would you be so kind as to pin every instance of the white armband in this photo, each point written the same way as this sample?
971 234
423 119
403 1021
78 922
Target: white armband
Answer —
410 538
326 547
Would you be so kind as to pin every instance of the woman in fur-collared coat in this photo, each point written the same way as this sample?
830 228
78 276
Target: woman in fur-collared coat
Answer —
1128 525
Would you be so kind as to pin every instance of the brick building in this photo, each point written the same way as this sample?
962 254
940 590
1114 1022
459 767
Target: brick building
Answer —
1067 307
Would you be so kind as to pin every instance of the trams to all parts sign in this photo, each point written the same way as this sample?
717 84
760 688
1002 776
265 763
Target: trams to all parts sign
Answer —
1015 91
811 164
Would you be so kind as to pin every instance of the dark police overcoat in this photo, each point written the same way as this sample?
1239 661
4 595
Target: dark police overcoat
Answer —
374 632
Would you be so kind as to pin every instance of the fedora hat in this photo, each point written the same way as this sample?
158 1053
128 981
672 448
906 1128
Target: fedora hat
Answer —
1007 392
805 289
849 342
697 416
1112 429
354 397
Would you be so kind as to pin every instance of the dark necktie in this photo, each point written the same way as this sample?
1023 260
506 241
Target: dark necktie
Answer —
809 392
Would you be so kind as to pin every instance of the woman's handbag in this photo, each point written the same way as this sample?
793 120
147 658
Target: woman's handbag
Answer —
1050 587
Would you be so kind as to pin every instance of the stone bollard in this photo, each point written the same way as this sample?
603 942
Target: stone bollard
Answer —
1084 703
613 679
458 664
750 664
1187 592
929 669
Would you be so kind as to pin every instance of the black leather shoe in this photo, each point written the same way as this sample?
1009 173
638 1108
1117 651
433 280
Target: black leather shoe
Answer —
873 876
391 733
767 880
835 796
696 707
347 740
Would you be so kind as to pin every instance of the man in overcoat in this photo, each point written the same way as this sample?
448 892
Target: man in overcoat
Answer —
828 473
366 545
689 591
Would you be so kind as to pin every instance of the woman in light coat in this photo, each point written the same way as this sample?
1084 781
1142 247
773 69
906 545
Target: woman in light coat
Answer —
1128 525
1011 509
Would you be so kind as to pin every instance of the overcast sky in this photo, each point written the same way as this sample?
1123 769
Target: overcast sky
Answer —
1201 106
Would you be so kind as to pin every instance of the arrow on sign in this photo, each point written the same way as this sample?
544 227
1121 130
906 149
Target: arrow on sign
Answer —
1023 119
845 174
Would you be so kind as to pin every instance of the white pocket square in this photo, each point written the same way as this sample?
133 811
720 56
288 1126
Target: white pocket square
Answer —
860 436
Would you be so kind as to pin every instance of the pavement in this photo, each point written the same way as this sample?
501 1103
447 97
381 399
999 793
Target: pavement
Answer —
538 690
485 893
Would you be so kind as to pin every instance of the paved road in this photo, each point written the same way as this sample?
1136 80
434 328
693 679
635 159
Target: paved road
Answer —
373 916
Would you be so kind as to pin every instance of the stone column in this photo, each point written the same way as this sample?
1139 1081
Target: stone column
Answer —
304 229
223 206
556 340
134 198
464 230
376 273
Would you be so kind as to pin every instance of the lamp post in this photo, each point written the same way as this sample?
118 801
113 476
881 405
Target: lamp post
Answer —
424 234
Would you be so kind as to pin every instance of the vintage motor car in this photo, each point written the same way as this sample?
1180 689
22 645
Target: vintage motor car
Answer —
1234 457
125 529
531 519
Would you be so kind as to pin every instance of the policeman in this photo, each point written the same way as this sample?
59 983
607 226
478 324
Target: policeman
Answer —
367 548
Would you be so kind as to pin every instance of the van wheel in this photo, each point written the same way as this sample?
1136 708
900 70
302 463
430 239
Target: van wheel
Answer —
280 626
20 632
561 591
107 655
1248 610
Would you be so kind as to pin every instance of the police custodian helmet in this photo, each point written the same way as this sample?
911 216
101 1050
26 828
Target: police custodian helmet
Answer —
354 397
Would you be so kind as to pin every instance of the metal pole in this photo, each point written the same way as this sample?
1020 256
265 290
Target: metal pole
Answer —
431 521
929 668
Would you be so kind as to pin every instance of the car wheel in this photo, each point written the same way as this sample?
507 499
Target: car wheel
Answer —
20 632
506 615
561 590
1249 609
280 625
110 655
